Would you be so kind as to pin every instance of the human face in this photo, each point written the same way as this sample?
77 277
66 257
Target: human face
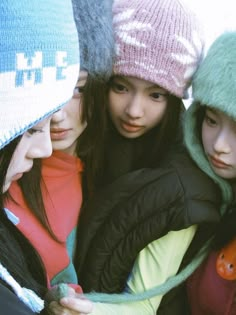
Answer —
135 105
219 142
35 143
66 125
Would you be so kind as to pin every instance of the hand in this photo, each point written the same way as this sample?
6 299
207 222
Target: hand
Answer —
73 304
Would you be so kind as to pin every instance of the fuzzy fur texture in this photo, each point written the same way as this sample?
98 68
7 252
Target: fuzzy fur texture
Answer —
214 85
93 19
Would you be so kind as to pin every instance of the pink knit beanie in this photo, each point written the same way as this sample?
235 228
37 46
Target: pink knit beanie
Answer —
158 41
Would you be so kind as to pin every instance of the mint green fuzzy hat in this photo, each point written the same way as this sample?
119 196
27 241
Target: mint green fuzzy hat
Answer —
214 85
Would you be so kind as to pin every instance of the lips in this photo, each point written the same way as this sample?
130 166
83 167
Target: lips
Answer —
218 163
130 127
58 133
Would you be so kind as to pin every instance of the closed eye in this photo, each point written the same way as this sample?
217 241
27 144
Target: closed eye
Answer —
32 131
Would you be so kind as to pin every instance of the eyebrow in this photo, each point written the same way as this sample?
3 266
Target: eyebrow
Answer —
123 78
118 77
211 109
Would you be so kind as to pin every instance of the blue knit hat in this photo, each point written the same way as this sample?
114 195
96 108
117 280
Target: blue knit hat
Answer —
39 62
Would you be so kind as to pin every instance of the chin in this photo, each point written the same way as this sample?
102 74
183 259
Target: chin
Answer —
58 146
225 175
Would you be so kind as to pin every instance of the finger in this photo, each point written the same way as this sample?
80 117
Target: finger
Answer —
60 310
81 305
54 308
71 292
63 311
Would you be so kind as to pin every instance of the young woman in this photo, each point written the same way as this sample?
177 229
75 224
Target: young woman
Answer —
49 220
135 232
33 44
211 139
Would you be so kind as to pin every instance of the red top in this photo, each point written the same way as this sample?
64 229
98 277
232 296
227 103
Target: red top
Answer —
62 195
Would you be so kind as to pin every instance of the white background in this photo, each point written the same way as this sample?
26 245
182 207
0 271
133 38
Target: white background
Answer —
216 15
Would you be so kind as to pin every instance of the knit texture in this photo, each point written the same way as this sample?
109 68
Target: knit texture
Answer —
39 62
158 41
94 24
214 85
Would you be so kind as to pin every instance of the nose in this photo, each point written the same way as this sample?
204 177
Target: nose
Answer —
134 108
46 147
221 145
58 116
42 148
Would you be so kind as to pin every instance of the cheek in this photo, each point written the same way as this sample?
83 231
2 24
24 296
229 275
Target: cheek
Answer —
22 149
115 103
206 137
75 114
205 144
156 114
75 108
234 151
17 158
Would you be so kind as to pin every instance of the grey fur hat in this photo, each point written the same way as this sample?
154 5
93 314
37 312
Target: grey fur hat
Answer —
93 19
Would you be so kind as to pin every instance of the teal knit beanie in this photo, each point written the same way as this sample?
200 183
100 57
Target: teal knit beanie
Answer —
39 62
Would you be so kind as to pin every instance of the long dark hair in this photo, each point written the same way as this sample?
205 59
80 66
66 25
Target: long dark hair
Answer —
90 145
5 158
123 155
89 149
16 253
167 134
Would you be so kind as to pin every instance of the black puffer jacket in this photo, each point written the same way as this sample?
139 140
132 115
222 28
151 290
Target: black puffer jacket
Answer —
136 209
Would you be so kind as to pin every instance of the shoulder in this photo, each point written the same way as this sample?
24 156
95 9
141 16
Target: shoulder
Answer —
202 196
177 190
187 171
178 194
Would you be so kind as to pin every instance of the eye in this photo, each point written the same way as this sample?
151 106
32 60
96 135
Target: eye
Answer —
118 87
158 97
78 90
33 131
210 121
